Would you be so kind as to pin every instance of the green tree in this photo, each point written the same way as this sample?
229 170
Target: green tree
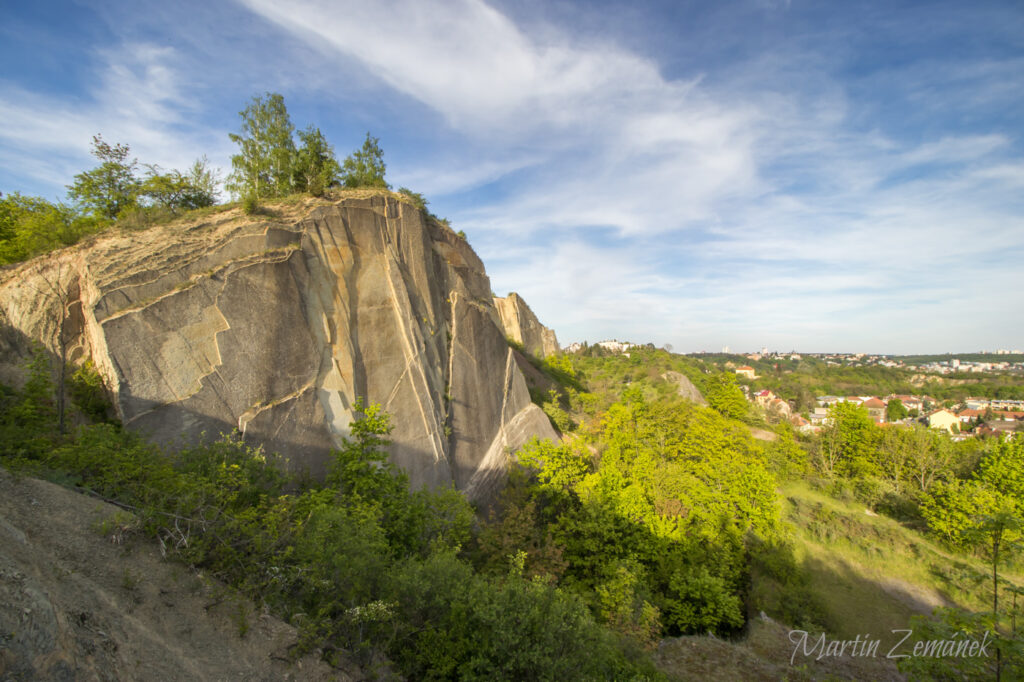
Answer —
851 429
1002 469
315 168
895 410
263 168
177 191
724 395
32 225
952 509
361 466
111 187
365 166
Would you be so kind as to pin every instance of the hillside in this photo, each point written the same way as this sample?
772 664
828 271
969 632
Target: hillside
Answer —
82 597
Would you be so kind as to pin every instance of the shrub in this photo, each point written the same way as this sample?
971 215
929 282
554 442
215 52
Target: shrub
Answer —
250 204
88 393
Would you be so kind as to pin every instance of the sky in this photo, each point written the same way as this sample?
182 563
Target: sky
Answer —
798 175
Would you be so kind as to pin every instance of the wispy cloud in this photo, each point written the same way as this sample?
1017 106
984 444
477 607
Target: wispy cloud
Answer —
827 178
138 99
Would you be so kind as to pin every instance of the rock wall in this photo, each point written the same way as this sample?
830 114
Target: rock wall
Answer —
685 387
275 325
522 326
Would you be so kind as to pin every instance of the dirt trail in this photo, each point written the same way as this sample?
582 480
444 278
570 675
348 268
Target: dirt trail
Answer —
76 606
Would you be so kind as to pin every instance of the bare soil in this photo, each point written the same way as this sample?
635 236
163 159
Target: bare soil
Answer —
76 604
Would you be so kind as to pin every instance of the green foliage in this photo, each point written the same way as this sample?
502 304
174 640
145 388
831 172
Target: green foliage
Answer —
724 395
418 199
367 568
88 393
365 166
250 204
952 509
1002 469
654 531
895 410
558 416
176 191
31 225
315 168
454 623
110 188
847 443
1003 652
36 410
558 468
28 418
264 165
360 467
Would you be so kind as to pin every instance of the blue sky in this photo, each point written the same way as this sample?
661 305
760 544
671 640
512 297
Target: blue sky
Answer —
799 175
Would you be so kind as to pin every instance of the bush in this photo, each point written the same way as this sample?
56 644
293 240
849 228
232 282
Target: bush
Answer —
453 623
88 393
250 204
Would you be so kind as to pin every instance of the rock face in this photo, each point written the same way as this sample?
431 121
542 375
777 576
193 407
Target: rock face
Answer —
275 325
522 326
685 387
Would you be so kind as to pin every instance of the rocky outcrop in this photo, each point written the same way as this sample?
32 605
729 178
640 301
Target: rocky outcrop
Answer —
522 326
276 325
684 387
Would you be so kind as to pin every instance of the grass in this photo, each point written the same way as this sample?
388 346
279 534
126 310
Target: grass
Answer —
871 573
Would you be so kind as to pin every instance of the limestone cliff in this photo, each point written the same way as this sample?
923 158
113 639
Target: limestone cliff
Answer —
522 326
274 325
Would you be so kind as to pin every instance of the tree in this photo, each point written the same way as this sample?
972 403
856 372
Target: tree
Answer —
264 166
59 295
111 187
848 440
724 395
895 410
932 456
998 532
32 225
895 456
417 198
315 167
177 191
365 167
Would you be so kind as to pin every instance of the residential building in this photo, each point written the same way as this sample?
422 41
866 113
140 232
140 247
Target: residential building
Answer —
746 371
876 408
943 419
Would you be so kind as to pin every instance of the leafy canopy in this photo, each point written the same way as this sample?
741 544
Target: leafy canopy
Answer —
365 166
110 188
263 166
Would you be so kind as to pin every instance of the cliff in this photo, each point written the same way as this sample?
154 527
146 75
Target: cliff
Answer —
522 326
275 324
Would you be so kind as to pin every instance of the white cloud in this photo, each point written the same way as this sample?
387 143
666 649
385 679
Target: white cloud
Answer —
138 99
612 132
621 195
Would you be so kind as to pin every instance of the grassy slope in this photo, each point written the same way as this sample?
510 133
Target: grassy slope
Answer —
870 575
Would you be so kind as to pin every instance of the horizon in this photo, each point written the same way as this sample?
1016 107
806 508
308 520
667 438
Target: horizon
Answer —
762 173
998 353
